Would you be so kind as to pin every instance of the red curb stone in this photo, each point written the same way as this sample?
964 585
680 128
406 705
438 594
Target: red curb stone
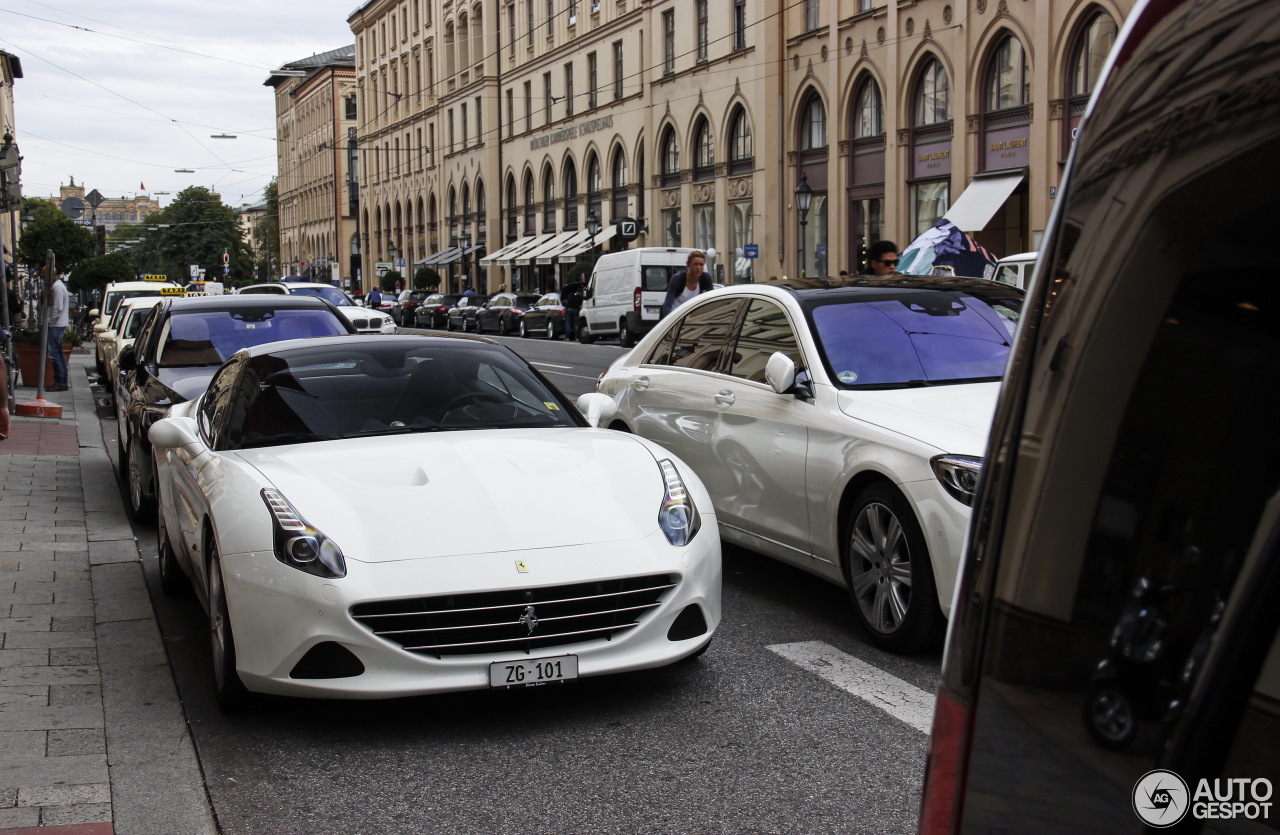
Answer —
67 829
41 439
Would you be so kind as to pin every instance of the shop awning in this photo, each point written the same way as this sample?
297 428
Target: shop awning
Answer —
982 199
434 258
548 255
529 256
489 259
586 243
529 243
450 255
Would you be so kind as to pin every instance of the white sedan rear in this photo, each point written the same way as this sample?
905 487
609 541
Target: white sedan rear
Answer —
287 489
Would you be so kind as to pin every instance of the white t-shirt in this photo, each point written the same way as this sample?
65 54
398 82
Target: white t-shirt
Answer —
59 312
685 295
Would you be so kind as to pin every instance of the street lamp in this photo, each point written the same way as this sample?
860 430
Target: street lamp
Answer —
464 241
804 198
392 251
593 228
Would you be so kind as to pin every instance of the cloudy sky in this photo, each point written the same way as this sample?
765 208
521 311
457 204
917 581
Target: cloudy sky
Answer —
120 94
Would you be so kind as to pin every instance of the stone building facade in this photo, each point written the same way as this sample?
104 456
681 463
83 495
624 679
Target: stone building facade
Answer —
491 131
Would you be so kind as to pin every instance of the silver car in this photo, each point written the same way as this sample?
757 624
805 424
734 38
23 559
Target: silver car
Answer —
839 426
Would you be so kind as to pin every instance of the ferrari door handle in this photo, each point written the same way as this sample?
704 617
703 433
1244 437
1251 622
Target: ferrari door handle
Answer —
724 398
641 383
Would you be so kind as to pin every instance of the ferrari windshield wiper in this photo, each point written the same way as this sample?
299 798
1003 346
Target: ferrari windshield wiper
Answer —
395 430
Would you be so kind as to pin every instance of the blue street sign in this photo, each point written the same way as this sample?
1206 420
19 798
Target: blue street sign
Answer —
751 251
399 263
822 250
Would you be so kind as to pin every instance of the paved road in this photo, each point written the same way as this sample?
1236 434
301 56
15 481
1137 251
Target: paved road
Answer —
790 723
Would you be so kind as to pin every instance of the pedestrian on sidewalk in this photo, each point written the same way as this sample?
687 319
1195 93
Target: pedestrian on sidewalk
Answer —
59 314
688 283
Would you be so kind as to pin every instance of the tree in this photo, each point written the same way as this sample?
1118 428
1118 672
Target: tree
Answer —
266 230
388 281
195 229
97 273
426 279
580 271
50 229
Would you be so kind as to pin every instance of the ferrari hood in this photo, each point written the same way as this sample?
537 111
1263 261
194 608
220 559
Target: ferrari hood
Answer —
954 419
469 492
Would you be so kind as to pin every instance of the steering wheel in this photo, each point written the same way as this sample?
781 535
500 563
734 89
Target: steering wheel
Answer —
470 398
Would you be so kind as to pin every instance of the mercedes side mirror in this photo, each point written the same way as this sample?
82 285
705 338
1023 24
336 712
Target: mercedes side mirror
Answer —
780 372
597 408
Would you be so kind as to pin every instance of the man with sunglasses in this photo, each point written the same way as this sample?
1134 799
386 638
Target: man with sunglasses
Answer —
882 258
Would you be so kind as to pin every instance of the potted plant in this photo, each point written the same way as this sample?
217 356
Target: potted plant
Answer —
26 344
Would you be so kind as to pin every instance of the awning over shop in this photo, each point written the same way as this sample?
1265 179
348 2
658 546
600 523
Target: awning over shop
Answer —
548 255
586 243
433 259
530 242
492 257
450 255
554 242
982 199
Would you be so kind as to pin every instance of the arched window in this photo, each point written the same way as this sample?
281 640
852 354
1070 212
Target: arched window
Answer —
453 214
1091 48
704 151
813 125
868 110
548 199
513 211
570 195
480 211
670 158
741 152
933 95
464 52
619 178
594 187
450 60
530 211
1008 82
466 204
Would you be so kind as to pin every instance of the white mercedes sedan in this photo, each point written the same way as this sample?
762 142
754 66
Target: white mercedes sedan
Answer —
285 488
839 424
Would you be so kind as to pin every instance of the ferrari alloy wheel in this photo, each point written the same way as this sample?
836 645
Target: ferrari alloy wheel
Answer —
172 580
141 508
228 689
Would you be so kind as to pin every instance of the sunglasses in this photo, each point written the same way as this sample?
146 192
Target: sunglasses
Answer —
891 262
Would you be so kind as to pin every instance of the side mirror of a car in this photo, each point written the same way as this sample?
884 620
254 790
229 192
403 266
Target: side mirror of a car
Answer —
172 433
100 327
597 408
95 313
780 372
128 359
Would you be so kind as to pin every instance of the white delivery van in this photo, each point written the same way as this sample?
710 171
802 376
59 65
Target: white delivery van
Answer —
624 296
1016 269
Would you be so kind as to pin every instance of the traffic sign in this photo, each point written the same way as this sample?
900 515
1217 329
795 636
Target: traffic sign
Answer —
628 229
751 251
400 263
195 270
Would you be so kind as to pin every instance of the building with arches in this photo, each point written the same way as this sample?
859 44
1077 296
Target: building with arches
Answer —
495 134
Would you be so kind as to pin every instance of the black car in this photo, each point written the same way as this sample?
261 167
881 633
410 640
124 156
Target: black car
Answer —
179 349
502 313
462 316
434 310
546 317
402 311
1114 655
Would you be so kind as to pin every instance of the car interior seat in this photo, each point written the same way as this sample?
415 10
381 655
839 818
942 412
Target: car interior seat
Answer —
189 343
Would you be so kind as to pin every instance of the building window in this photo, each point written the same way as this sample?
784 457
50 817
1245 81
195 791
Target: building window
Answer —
479 126
933 95
548 200
546 98
741 233
671 227
528 106
530 212
528 7
929 202
702 30
739 24
741 152
617 70
594 187
619 185
551 17
465 131
813 125
451 148
511 30
513 213
1090 53
573 12
1008 82
592 80
810 15
704 227
670 158
511 113
669 41
568 90
570 196
868 112
704 152
351 107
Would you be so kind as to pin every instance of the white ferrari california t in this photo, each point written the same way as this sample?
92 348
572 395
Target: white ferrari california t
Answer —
284 488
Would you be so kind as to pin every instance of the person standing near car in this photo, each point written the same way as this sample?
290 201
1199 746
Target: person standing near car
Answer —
882 258
375 298
691 282
59 314
571 299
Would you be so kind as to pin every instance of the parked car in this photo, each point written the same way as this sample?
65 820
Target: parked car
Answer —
269 503
363 319
1016 269
1114 661
839 425
434 310
502 313
462 316
546 317
406 303
179 349
131 315
116 292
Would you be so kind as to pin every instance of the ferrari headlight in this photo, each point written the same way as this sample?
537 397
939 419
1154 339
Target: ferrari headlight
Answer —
298 544
678 517
959 474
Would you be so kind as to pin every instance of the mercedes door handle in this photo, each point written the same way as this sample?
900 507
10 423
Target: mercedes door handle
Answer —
641 383
724 398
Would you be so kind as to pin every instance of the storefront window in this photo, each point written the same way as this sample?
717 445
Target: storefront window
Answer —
1008 82
818 236
671 227
929 201
741 234
570 195
933 95
704 227
868 114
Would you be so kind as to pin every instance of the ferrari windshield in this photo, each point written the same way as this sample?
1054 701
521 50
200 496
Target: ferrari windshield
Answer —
329 392
906 337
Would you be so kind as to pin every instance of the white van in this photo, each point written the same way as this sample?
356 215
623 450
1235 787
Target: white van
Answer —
625 293
1016 269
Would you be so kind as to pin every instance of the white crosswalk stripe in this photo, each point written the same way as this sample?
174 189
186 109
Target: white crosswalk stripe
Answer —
900 699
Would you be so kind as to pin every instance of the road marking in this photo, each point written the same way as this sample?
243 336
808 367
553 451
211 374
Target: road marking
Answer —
873 685
548 364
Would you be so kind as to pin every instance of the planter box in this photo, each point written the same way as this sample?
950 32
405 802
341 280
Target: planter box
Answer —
29 363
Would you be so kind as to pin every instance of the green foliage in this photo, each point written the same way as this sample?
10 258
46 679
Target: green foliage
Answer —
426 279
31 336
50 229
195 229
97 273
266 235
580 271
388 281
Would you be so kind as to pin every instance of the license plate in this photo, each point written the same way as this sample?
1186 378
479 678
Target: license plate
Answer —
652 309
533 672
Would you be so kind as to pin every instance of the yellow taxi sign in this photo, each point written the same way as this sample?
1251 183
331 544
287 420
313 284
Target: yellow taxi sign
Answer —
155 278
173 291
